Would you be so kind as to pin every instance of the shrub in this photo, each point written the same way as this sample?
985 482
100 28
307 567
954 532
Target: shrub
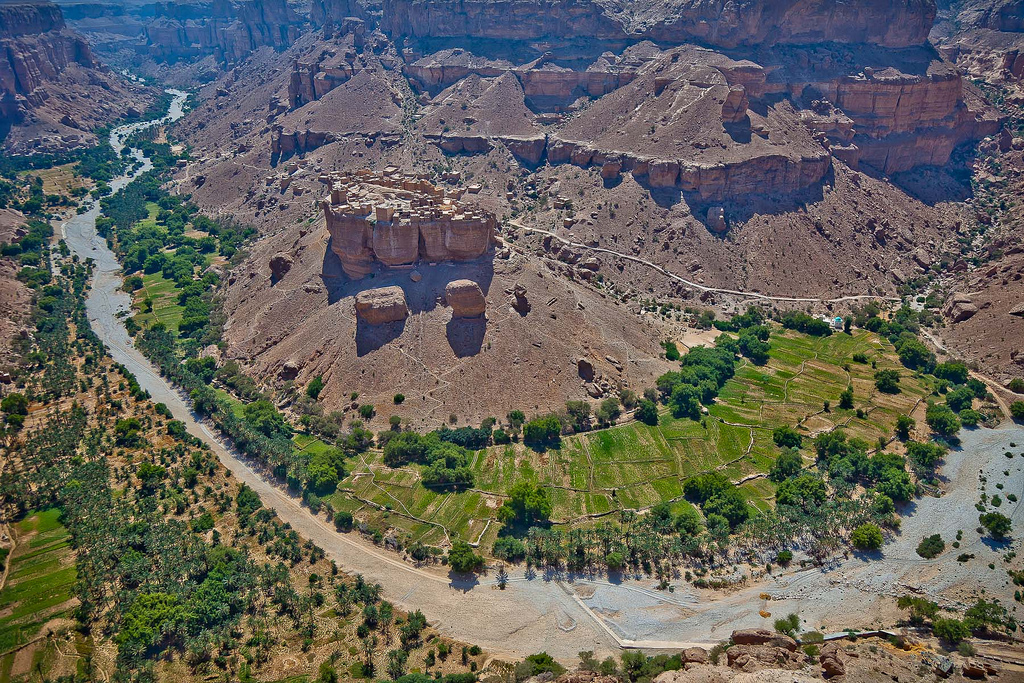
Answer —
784 557
1017 410
931 546
788 625
399 399
867 537
1016 385
366 411
314 388
950 630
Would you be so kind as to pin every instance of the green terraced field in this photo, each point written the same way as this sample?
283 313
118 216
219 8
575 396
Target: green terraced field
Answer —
635 466
41 578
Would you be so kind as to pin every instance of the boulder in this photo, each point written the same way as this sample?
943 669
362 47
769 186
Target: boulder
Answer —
959 308
694 655
974 669
280 264
466 299
382 305
762 636
831 665
290 370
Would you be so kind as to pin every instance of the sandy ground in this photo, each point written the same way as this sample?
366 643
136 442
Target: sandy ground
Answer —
565 614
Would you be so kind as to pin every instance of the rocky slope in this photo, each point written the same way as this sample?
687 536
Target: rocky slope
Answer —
620 172
53 91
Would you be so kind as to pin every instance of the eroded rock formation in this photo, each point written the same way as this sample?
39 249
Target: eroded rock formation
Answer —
465 298
397 219
382 305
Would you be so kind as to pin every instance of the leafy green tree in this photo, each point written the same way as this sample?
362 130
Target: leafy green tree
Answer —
920 609
805 491
543 431
904 423
789 625
262 416
867 537
846 398
950 630
462 559
888 381
959 399
685 401
788 464
647 412
579 415
925 456
688 522
315 386
787 437
527 504
14 404
953 372
997 524
609 411
1017 410
942 420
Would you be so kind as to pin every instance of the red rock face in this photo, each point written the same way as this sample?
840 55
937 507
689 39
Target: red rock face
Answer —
899 23
35 47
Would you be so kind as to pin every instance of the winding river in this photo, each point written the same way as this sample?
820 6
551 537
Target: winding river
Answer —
565 614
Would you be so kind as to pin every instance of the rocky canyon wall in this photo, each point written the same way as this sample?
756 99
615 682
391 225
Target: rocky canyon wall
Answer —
722 23
35 46
228 31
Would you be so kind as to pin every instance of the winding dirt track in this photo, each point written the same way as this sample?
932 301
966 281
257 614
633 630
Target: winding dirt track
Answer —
704 288
565 614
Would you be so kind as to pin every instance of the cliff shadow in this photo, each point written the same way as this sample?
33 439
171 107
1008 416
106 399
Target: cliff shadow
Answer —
466 335
934 184
369 337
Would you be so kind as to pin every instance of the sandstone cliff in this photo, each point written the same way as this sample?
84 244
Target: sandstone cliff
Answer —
53 91
228 31
397 220
899 23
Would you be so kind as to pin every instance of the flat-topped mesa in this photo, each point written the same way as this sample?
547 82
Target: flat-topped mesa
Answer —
397 219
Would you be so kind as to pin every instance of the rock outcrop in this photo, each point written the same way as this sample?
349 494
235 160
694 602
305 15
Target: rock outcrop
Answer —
465 298
382 305
897 23
396 220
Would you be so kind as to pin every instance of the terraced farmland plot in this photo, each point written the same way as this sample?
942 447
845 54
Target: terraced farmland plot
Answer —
635 466
40 579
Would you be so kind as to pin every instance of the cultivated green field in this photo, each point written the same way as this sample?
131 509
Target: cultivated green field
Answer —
38 588
165 301
634 466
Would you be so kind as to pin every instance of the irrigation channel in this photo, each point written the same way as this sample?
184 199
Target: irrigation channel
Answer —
564 613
